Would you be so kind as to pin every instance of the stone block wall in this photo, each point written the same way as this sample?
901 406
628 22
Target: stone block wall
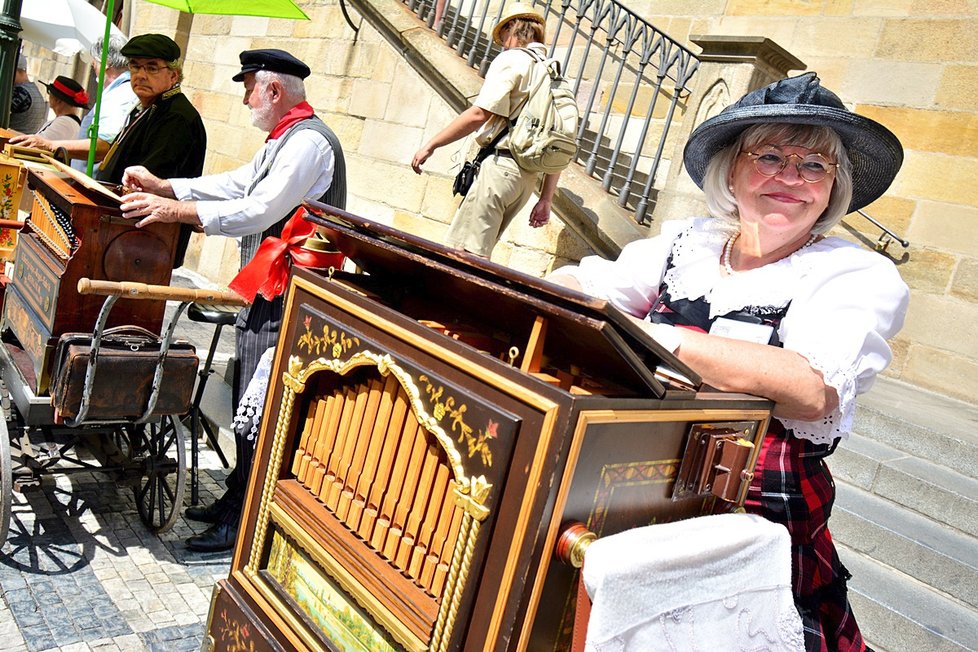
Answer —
911 64
381 109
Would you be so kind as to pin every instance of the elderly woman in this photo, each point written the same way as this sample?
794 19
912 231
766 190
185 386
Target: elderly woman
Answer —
65 97
759 300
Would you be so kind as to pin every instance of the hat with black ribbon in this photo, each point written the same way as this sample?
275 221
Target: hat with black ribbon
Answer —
874 151
513 11
68 90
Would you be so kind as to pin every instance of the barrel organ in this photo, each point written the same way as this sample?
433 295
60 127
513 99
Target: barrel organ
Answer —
430 424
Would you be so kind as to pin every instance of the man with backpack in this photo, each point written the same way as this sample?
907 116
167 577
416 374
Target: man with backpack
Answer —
502 185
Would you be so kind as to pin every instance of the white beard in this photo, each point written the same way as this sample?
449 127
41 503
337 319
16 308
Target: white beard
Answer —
263 118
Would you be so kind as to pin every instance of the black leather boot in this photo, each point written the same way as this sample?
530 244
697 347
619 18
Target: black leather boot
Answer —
216 538
205 513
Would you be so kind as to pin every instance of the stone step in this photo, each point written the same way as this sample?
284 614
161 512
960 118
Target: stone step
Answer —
925 487
924 424
933 554
897 614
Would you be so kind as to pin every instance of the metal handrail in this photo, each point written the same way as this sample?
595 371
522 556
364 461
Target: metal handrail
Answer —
886 236
630 79
607 52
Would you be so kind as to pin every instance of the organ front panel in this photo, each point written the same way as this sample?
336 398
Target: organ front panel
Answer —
73 232
430 425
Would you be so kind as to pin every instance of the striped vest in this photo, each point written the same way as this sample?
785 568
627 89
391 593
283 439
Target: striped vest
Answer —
335 195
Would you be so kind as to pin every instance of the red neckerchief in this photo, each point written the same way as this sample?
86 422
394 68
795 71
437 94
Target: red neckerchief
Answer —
296 114
268 271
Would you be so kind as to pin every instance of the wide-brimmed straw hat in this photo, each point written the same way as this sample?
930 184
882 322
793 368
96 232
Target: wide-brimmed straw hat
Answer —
513 11
875 153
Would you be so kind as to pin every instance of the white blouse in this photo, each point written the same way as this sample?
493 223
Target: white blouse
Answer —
845 301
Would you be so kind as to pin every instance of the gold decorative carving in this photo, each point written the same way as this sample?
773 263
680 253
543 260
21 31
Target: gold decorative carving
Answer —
332 342
471 493
477 443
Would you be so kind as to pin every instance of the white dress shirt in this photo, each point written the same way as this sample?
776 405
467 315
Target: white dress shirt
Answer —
303 169
843 301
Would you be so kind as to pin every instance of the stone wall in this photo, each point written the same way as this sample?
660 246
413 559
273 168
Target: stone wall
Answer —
381 109
911 64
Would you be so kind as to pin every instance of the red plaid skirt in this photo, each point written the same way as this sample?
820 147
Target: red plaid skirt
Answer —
793 486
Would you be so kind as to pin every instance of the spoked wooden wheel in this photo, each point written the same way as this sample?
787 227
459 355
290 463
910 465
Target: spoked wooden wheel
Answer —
160 459
6 482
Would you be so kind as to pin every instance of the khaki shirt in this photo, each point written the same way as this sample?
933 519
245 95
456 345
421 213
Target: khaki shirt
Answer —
505 91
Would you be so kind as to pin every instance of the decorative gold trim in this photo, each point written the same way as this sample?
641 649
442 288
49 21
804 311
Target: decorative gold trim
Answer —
585 419
471 493
547 431
341 576
385 365
505 385
207 645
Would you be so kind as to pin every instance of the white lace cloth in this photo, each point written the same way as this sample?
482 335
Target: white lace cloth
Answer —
700 585
845 301
247 420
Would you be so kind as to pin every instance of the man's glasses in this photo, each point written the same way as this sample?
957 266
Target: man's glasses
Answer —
770 161
150 68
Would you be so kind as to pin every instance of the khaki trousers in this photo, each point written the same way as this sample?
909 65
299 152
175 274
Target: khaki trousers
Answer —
500 190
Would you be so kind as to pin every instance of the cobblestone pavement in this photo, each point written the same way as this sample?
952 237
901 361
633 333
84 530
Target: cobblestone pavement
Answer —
79 570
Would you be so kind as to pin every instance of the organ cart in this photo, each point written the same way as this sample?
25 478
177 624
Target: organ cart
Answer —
88 383
433 425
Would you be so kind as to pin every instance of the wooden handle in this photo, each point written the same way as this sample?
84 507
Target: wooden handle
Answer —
14 225
132 290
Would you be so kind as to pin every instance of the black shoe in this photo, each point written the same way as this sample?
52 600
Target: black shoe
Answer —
216 538
205 514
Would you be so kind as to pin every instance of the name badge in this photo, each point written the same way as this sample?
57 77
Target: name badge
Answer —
741 330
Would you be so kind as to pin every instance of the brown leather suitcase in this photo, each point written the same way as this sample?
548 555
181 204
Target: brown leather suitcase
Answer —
124 371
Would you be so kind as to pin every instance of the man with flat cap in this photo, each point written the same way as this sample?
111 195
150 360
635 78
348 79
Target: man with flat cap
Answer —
164 132
301 159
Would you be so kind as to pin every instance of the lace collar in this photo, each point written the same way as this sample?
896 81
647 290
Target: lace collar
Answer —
695 271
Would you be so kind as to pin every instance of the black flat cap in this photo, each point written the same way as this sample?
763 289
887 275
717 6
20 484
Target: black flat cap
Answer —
273 60
152 46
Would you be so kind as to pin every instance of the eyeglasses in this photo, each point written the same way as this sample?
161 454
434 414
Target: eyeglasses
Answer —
812 168
150 68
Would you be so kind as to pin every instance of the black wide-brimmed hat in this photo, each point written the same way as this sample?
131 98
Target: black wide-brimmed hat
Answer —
68 90
874 151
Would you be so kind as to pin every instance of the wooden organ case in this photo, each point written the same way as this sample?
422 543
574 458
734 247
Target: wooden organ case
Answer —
73 231
429 427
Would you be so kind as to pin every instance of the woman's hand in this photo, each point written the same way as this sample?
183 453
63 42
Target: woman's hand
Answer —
420 157
33 141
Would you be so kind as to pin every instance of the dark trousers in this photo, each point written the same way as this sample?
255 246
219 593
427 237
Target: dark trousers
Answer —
256 330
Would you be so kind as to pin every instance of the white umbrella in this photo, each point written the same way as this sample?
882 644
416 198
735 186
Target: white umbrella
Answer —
64 26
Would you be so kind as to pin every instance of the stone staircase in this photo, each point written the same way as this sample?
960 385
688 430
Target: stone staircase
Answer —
906 519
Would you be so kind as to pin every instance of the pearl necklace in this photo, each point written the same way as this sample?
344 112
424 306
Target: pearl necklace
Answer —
729 244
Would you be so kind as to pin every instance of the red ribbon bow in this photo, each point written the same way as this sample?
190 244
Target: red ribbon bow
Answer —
80 97
268 271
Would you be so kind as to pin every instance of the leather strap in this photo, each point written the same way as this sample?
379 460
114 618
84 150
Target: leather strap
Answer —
582 613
